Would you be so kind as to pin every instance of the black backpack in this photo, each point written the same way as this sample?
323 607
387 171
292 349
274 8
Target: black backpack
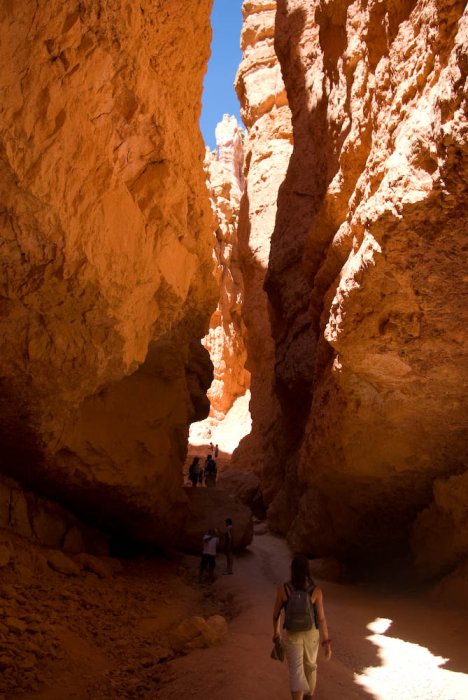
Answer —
210 467
299 614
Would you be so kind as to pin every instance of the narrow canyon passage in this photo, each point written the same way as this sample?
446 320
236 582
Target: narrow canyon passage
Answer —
290 298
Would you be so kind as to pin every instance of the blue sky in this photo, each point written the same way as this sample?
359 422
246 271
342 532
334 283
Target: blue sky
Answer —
219 96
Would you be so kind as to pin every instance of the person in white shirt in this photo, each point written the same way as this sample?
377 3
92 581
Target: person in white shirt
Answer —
208 559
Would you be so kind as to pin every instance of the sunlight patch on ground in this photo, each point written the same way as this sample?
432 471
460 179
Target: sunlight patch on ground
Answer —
411 667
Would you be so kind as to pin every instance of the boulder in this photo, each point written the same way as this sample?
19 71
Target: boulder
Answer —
440 536
208 508
197 633
48 524
454 587
73 541
19 514
62 564
95 565
242 484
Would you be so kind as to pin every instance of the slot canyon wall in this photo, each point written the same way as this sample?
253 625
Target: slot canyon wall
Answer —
106 253
268 145
229 393
359 359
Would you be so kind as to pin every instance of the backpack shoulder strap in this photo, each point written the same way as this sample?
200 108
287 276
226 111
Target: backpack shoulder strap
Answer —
310 590
287 591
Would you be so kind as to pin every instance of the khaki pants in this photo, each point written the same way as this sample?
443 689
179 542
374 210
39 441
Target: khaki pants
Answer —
301 653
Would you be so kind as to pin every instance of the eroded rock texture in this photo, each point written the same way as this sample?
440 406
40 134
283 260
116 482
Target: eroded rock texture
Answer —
229 418
106 280
268 146
365 280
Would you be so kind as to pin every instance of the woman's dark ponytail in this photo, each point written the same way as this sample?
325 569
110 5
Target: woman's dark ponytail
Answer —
300 572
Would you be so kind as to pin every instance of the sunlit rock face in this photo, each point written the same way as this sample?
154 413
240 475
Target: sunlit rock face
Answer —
365 277
268 146
229 418
106 280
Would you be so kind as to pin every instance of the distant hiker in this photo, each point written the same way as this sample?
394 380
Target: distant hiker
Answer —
208 559
228 544
194 471
305 627
216 450
211 448
211 471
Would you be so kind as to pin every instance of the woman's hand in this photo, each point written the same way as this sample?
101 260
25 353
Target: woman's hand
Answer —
327 650
280 595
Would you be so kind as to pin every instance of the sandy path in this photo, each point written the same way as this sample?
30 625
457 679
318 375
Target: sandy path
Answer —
401 660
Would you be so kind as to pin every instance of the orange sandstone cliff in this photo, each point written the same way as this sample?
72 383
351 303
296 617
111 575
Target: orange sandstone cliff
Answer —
229 394
366 448
106 252
268 146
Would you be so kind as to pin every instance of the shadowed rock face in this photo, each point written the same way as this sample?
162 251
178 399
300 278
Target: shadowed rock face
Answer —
106 251
268 147
365 281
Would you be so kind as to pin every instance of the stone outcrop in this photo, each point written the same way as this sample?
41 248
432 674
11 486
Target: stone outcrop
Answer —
197 633
225 340
208 508
106 279
44 522
364 280
268 145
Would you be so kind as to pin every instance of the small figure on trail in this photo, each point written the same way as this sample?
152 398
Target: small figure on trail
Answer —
208 559
305 627
210 471
216 450
228 544
194 471
211 449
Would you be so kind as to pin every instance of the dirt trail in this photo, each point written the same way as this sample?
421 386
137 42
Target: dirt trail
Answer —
404 659
87 638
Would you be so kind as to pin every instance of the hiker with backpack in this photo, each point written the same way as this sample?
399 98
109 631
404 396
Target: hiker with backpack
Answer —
210 471
208 559
305 628
194 471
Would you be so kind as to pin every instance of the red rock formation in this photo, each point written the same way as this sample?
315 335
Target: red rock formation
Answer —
229 418
268 146
364 279
106 251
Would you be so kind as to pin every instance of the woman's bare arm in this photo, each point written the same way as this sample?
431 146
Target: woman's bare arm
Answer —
280 598
317 599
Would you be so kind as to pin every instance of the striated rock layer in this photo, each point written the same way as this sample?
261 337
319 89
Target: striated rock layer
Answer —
365 281
227 423
106 280
268 146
